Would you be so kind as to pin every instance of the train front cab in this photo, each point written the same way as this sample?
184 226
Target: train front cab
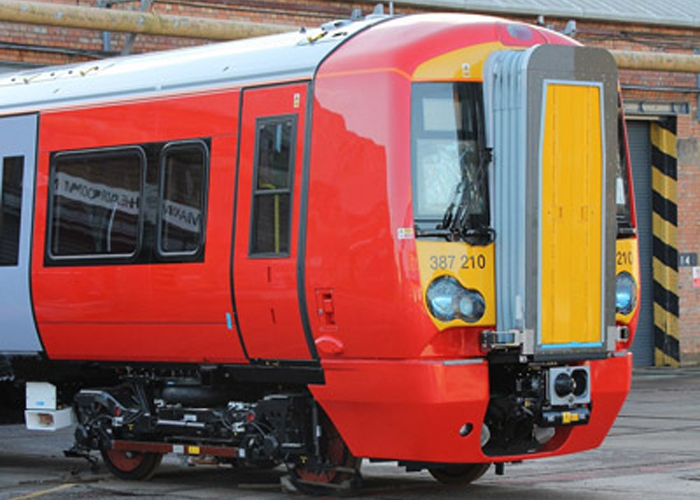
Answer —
489 331
414 254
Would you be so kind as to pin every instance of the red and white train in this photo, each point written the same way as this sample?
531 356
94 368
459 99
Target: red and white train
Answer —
406 238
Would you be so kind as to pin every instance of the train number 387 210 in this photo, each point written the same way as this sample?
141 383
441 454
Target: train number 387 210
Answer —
450 262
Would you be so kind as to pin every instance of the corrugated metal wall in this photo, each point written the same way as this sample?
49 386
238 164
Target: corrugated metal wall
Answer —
640 153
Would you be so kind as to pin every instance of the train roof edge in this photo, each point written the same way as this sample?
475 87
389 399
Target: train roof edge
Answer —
255 61
284 57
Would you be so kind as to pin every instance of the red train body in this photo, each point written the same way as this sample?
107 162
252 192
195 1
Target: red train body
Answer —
300 271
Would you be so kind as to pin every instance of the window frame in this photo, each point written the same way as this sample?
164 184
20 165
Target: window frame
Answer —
167 148
50 257
255 192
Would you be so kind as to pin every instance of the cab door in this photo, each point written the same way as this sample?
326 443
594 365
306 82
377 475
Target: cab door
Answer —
18 137
265 280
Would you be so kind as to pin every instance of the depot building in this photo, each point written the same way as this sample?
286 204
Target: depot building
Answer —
662 113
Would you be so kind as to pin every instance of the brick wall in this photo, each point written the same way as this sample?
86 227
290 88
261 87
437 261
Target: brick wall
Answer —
38 45
689 233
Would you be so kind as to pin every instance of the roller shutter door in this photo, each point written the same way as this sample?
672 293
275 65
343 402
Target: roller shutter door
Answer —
640 153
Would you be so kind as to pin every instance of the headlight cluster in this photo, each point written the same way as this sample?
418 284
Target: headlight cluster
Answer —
625 293
448 300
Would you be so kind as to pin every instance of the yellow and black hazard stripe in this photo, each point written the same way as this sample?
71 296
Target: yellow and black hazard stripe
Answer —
664 168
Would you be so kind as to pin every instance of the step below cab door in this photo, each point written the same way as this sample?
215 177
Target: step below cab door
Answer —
18 137
265 280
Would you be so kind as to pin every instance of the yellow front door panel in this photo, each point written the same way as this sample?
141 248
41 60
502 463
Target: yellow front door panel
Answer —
572 216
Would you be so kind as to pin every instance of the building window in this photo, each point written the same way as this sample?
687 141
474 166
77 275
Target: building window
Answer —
95 205
272 189
11 172
183 181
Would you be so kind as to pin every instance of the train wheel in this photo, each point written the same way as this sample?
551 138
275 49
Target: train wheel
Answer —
131 465
339 473
459 474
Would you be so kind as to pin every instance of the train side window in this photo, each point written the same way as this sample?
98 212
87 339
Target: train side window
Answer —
11 172
183 198
272 189
95 204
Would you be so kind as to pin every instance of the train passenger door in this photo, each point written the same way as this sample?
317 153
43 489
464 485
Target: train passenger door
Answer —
267 224
18 136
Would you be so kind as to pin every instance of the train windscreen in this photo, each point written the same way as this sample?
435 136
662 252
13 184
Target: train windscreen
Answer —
622 188
450 191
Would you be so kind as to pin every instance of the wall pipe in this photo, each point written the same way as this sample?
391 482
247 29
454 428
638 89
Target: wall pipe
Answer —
67 16
656 61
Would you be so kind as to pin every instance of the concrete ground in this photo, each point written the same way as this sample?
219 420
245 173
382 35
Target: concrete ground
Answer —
652 453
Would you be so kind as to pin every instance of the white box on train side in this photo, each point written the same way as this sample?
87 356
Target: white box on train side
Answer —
42 412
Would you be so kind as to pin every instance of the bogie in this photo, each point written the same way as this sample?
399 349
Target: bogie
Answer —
132 424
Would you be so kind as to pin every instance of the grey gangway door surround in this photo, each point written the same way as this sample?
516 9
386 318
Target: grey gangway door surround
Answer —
516 85
18 136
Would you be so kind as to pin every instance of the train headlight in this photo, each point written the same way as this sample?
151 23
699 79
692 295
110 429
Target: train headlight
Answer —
443 298
471 306
448 300
625 293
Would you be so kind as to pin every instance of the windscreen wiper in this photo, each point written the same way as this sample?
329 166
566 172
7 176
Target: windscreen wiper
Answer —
458 230
455 225
445 228
459 224
625 230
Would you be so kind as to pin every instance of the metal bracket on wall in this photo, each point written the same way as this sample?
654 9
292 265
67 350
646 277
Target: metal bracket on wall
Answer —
129 40
655 108
569 30
106 35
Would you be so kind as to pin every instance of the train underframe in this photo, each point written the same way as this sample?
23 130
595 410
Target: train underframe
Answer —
202 414
205 413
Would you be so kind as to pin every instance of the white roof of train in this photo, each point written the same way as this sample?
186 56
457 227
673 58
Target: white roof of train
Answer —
273 58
